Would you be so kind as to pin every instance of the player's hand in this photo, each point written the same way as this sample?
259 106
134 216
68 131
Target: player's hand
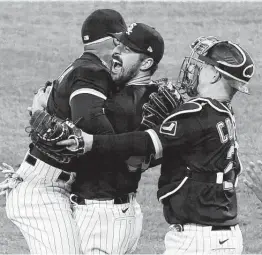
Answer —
7 169
255 175
40 99
72 144
11 181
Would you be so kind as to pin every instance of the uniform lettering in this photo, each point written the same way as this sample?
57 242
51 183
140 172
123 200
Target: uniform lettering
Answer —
223 137
230 152
229 127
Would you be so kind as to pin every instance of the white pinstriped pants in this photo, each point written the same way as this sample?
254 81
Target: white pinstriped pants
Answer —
40 207
108 228
200 240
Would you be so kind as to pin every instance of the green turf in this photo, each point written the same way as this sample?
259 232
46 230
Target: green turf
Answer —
38 40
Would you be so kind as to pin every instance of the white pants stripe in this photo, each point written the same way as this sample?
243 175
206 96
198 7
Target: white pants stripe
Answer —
108 228
40 207
201 240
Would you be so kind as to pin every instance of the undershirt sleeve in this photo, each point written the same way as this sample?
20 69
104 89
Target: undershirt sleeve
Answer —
88 110
136 143
87 99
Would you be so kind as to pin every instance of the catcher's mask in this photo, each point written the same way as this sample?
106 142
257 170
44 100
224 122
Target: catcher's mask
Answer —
227 57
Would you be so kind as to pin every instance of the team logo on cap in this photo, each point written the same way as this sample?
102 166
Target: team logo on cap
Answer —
130 28
150 49
86 37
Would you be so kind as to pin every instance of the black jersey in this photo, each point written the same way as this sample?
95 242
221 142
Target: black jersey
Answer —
80 94
86 73
108 175
200 166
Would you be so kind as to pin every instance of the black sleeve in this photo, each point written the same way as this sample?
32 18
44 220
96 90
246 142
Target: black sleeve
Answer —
88 109
175 133
136 143
178 133
89 92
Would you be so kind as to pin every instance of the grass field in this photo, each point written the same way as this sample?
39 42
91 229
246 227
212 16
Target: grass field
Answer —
38 40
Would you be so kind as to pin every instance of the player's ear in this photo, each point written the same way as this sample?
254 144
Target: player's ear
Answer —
146 64
216 76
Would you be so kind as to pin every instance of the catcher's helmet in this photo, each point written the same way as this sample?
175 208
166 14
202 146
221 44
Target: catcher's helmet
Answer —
228 58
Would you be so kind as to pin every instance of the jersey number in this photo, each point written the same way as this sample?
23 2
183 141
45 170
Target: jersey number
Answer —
224 138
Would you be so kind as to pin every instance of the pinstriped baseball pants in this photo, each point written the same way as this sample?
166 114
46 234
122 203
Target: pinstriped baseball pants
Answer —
200 240
40 207
108 228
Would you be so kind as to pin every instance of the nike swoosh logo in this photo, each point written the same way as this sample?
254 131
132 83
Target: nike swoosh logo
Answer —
221 242
124 210
169 128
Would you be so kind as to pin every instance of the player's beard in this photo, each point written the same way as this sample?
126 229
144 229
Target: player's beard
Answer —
123 75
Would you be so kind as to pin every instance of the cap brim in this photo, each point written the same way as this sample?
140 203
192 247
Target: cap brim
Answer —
121 37
115 35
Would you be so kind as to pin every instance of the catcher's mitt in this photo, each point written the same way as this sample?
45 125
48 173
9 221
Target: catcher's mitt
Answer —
160 104
47 130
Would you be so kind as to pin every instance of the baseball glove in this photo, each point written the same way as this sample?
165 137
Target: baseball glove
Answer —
47 130
160 103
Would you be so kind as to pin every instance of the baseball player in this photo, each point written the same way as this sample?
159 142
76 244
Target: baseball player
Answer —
199 147
104 193
127 222
110 208
255 178
39 205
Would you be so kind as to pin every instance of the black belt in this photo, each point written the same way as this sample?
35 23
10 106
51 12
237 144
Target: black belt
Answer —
180 227
50 161
117 200
64 176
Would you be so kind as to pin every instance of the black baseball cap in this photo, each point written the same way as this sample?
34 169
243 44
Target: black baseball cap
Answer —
142 38
101 22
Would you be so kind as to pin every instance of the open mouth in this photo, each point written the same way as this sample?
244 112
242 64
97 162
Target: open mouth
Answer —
116 64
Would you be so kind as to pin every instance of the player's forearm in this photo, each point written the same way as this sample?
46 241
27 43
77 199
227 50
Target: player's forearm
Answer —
89 109
125 145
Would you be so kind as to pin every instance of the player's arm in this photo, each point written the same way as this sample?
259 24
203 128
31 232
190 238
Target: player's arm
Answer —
176 133
180 133
89 92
